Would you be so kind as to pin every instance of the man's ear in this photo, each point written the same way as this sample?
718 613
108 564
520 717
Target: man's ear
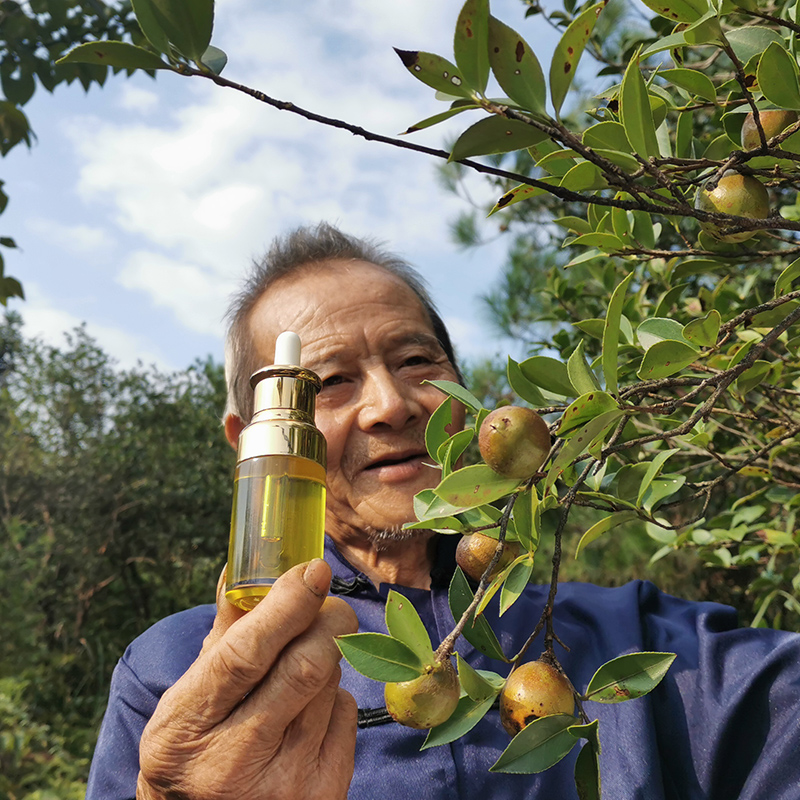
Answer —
233 427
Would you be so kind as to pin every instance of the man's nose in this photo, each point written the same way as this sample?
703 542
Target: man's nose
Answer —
388 402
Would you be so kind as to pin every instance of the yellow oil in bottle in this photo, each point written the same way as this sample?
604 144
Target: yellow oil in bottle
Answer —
278 521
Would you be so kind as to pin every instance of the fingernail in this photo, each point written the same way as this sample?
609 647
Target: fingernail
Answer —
317 577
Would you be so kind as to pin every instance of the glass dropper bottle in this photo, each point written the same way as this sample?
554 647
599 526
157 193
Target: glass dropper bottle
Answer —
278 517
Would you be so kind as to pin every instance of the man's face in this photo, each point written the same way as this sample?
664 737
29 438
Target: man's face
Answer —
365 333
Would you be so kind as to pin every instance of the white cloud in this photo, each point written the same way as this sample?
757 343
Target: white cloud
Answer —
197 298
79 239
43 319
134 98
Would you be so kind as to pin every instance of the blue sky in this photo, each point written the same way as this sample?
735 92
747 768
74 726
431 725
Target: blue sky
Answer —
141 204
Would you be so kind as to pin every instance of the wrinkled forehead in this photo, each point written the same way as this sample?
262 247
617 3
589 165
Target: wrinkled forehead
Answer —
331 295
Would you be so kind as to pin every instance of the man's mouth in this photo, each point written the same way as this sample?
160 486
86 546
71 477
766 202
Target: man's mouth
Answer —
397 460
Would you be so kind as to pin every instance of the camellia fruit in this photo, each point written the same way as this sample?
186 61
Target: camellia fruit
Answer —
476 550
426 701
533 690
514 441
741 195
773 121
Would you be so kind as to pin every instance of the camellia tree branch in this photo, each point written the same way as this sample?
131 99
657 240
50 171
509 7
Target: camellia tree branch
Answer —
673 384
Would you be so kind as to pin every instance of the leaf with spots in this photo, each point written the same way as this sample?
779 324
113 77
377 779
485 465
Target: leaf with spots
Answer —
404 623
120 55
585 408
665 358
435 71
678 10
568 53
470 43
628 677
516 67
437 118
495 135
577 445
522 192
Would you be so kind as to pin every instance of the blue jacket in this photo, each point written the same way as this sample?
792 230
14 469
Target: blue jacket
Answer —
724 723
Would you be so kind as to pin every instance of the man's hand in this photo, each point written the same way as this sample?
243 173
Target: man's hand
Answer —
260 713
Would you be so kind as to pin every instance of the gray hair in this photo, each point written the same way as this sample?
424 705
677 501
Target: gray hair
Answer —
289 255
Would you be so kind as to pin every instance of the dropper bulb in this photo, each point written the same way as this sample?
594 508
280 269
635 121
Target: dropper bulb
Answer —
287 349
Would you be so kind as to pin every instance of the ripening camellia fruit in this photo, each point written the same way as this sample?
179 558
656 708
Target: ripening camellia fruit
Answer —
514 441
773 121
741 195
535 689
426 701
476 550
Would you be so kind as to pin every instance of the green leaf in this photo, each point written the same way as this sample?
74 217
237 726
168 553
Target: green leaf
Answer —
454 448
120 55
437 118
476 686
591 327
404 624
467 715
694 81
585 408
549 374
537 746
607 135
527 516
611 334
475 485
380 657
635 112
655 467
666 358
522 192
457 391
587 773
515 583
661 488
568 53
703 332
148 21
516 67
495 134
470 43
752 377
477 632
605 241
658 329
574 224
435 71
784 283
215 59
751 41
584 177
435 431
522 387
580 373
186 23
629 676
678 10
576 446
603 526
778 77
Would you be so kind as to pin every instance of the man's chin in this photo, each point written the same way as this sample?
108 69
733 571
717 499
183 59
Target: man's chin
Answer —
385 538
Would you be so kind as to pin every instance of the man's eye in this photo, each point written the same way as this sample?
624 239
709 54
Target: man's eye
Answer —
333 380
415 361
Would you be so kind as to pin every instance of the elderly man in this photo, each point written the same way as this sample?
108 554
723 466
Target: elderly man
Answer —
214 703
